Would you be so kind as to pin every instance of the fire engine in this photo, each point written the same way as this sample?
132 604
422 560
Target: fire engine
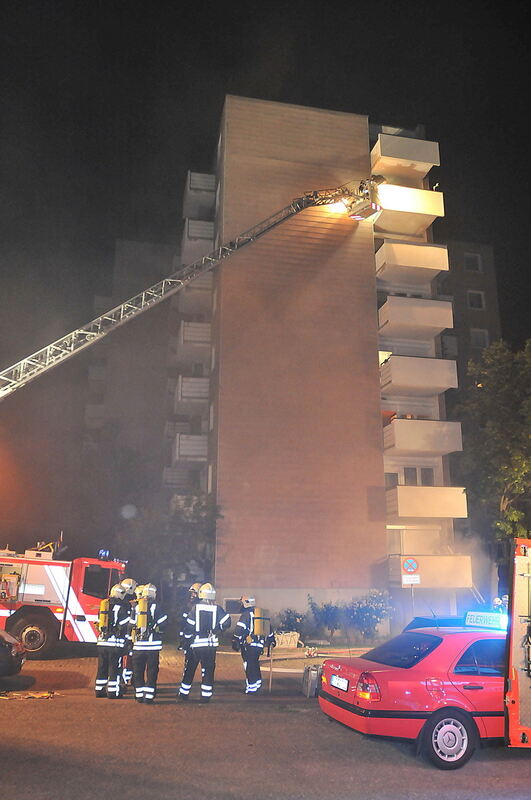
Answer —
44 600
518 676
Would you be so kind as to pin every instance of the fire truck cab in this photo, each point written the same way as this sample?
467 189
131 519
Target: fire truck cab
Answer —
44 600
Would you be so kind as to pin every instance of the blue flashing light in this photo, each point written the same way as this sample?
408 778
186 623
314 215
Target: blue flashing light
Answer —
487 619
104 554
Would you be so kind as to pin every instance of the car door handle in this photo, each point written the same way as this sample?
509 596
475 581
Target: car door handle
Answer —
472 686
80 618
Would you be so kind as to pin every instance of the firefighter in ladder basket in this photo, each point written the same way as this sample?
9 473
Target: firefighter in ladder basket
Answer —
250 639
149 626
203 624
114 618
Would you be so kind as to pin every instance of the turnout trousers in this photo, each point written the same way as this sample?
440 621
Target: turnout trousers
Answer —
251 653
206 656
145 674
108 675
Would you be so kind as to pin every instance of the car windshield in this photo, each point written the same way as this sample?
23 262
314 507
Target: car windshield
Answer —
405 650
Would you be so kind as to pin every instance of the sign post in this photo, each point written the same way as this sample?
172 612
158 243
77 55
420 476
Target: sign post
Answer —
410 576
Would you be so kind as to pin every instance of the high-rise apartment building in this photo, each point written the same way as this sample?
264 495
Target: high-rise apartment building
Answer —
302 384
310 368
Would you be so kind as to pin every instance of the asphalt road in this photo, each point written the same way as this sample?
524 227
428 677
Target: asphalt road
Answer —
74 747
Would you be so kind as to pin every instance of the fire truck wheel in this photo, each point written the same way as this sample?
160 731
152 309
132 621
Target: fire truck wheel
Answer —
38 635
449 738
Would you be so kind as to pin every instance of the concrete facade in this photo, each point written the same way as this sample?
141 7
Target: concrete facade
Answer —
297 454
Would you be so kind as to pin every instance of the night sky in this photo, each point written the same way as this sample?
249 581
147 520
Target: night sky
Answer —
106 105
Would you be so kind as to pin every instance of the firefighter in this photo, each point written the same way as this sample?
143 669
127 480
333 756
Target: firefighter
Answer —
497 605
130 586
149 624
203 623
113 621
249 639
190 603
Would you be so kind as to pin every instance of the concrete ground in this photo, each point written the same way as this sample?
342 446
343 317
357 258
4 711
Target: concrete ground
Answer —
279 745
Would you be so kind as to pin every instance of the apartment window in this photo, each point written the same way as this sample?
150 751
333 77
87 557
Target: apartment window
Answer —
473 262
426 476
479 337
475 299
391 480
410 476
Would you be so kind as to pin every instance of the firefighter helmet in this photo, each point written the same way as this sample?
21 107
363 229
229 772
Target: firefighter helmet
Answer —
118 591
247 601
194 588
207 592
138 591
497 602
149 590
129 585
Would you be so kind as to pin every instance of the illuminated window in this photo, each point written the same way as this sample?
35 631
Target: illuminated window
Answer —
475 299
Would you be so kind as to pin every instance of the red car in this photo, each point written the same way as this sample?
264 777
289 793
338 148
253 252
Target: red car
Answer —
442 687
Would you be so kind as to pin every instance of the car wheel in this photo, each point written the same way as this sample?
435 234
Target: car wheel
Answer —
449 739
38 635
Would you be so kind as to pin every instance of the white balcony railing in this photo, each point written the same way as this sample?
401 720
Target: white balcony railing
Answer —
410 263
192 390
414 318
412 375
406 210
190 447
404 437
195 334
426 502
199 196
403 157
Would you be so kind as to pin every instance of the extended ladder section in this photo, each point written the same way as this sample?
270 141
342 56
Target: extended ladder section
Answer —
359 204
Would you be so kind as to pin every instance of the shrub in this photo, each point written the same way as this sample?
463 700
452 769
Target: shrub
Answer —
367 612
291 620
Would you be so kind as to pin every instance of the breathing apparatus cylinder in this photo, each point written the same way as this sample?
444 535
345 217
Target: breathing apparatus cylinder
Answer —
103 617
142 617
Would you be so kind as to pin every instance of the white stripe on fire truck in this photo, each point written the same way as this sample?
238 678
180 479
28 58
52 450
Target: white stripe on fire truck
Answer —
84 628
62 599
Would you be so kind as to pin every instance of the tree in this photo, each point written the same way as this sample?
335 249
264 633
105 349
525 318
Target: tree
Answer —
496 460
328 615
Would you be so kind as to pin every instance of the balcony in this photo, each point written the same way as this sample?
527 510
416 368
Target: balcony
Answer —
435 571
412 375
190 447
402 157
414 318
407 211
199 201
406 263
196 297
197 240
426 502
427 437
194 334
191 391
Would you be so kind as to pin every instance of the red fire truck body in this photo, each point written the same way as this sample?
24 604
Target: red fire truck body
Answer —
44 600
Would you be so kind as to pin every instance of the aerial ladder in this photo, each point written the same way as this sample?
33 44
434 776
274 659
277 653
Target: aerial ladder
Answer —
360 202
